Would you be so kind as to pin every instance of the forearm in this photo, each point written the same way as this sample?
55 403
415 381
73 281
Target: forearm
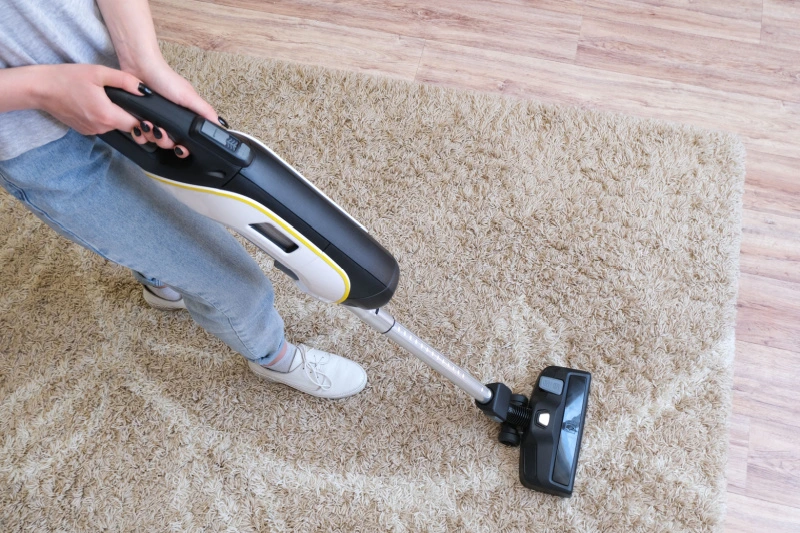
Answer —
20 87
74 93
131 27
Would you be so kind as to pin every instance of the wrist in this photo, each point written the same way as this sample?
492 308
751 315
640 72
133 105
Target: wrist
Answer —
24 87
130 26
143 64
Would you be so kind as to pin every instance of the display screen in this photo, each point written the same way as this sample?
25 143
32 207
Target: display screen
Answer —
220 136
570 430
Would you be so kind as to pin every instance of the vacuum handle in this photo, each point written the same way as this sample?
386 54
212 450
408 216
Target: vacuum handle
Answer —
154 108
211 147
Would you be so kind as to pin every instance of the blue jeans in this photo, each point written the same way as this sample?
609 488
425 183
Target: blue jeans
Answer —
94 196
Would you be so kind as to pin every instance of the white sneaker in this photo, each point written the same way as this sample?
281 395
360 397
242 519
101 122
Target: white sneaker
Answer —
318 373
163 298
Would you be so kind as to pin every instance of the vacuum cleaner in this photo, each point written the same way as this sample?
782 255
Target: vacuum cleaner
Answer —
236 180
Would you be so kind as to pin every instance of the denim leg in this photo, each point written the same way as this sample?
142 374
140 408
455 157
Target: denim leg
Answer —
144 280
97 198
141 278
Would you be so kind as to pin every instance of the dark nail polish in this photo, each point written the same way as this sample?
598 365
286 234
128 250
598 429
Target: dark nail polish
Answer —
145 127
223 122
137 132
178 150
144 89
157 133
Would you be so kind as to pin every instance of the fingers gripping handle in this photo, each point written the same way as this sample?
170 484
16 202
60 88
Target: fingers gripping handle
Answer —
176 120
214 151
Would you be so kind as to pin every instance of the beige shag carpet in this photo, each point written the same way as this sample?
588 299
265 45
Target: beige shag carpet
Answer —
528 235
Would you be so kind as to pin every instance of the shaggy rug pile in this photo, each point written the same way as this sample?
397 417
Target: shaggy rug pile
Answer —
528 235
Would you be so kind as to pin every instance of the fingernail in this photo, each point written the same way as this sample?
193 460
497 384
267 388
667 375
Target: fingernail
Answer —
157 133
178 150
223 122
145 127
144 89
136 131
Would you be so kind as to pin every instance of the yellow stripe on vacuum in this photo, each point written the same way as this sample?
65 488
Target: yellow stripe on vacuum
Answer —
272 216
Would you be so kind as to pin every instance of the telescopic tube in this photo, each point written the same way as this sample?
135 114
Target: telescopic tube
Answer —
384 323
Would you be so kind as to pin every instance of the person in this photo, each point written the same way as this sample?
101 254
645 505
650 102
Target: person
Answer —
56 58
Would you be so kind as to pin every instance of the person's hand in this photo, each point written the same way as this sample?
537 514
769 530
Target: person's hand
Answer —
74 95
160 77
130 25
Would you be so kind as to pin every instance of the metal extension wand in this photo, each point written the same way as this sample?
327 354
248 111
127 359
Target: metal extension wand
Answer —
384 323
548 426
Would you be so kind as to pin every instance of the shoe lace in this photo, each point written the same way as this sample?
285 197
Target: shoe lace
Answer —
312 364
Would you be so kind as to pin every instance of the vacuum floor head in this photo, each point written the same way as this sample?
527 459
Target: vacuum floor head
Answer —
548 427
550 445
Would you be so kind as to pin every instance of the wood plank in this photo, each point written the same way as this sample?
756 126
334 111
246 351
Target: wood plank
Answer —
765 124
738 449
252 32
769 312
771 185
750 515
572 7
770 246
749 10
720 64
492 25
738 20
781 23
773 471
765 384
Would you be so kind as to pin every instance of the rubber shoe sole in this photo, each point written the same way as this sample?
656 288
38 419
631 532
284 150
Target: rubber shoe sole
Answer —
162 304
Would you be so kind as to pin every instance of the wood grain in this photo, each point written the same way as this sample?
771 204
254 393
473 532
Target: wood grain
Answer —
246 31
769 312
721 64
523 28
781 23
738 20
772 185
769 246
751 515
774 461
738 451
765 384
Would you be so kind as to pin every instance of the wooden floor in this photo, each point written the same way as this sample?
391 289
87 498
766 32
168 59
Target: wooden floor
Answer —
724 64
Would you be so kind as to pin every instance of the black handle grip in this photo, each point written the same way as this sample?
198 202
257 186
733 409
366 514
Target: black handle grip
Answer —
215 154
174 119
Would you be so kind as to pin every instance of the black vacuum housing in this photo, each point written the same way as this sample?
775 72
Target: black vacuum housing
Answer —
228 162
